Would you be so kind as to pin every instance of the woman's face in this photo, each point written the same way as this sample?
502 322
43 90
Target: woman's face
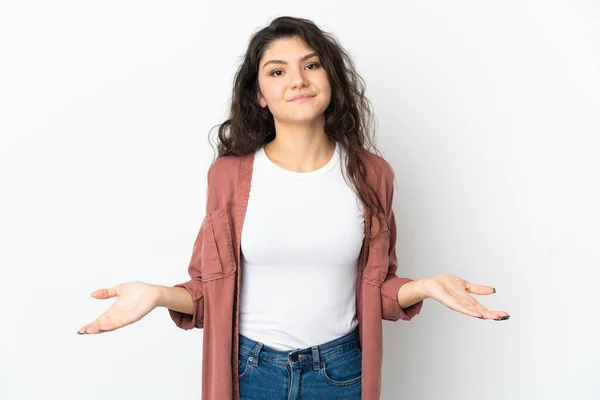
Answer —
289 68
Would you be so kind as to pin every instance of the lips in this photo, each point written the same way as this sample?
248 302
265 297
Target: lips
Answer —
301 96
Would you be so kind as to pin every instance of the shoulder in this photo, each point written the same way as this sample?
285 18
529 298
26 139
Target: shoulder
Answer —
223 169
223 181
379 169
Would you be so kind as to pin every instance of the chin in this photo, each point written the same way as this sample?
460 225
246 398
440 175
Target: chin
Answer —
301 120
304 117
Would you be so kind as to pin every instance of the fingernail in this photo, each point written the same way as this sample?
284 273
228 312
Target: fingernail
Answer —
480 317
81 333
494 290
503 318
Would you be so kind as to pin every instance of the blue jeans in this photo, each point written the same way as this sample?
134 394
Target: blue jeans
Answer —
330 371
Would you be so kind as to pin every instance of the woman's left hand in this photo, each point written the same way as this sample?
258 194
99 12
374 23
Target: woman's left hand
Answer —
454 293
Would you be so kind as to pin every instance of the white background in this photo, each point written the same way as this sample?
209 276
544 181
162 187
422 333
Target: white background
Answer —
487 111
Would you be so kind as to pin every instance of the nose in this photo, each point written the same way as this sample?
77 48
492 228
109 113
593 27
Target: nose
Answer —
299 79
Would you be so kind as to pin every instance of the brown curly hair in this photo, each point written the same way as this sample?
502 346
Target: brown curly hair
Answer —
349 119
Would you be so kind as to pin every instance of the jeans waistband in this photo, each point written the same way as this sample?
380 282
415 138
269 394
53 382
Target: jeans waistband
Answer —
299 356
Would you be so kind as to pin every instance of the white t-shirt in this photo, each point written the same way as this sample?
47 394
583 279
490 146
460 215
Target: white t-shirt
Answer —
300 243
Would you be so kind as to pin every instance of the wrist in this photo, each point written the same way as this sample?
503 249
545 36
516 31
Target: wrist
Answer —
161 295
422 287
412 292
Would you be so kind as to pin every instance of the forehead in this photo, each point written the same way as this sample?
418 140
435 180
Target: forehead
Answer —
288 49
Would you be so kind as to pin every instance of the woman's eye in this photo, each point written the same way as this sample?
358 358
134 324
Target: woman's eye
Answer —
316 65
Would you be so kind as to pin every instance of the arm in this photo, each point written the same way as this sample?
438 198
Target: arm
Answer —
185 301
411 293
398 301
175 298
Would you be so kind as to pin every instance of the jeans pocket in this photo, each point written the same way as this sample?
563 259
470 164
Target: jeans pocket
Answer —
244 366
344 369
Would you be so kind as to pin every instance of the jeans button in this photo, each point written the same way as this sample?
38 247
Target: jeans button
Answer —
294 357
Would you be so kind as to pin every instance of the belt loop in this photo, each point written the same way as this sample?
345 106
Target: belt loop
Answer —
316 360
257 349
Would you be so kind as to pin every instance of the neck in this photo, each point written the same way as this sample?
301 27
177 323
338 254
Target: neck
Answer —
300 148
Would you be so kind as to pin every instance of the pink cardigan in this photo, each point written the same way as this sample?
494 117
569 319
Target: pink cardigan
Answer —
215 273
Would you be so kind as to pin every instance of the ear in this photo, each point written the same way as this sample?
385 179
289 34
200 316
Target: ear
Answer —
261 100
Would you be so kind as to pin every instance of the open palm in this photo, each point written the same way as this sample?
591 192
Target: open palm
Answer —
455 293
134 301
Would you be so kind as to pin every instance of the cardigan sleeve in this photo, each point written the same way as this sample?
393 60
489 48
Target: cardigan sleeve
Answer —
194 285
390 309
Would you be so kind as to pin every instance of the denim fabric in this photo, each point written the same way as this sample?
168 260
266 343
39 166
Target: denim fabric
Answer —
330 371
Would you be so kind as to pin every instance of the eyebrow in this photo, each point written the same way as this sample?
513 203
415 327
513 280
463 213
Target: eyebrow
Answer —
306 57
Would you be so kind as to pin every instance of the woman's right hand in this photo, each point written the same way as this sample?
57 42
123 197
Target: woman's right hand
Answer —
134 301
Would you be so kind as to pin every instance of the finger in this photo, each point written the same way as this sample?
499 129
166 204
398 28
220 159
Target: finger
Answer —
101 326
105 322
91 328
480 289
467 307
464 308
485 313
104 293
501 315
82 330
476 309
492 314
469 302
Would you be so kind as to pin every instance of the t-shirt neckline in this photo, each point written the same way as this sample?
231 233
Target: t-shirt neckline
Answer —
324 169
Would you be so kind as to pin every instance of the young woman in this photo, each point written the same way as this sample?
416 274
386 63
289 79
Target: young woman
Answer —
296 168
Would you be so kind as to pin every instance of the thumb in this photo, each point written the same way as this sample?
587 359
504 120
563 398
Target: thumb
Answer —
104 293
480 289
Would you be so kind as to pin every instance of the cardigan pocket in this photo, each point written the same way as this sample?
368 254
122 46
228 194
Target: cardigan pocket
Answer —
378 260
217 255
